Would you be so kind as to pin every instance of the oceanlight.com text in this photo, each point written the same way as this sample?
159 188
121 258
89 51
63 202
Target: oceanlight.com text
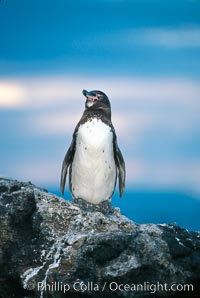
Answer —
80 286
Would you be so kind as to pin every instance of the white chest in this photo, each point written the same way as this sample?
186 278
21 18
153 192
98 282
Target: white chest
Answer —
95 134
93 168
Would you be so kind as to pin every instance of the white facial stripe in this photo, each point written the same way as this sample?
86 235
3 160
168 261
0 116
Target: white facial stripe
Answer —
93 98
89 104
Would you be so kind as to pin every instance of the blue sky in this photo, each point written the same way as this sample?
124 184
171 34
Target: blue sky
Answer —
100 37
144 54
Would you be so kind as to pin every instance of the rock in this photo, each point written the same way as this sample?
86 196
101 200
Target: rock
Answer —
49 246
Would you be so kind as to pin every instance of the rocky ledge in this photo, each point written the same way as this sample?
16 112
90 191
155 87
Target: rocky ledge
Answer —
52 248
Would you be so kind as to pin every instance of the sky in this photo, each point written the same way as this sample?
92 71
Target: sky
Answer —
144 54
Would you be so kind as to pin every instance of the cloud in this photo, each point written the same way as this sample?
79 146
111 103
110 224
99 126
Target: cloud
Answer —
164 37
141 106
38 171
12 94
63 123
179 175
172 37
53 123
148 114
50 92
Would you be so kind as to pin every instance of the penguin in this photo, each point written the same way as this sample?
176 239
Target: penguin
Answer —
94 159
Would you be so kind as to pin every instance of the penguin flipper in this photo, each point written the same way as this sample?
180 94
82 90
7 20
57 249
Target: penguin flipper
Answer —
66 162
121 168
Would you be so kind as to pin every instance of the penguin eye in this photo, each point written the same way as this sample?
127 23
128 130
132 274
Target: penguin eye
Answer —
99 96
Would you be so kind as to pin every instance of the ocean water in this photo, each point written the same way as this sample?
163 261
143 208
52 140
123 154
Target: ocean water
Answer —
156 207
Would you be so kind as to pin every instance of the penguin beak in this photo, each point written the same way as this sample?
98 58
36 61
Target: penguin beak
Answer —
89 95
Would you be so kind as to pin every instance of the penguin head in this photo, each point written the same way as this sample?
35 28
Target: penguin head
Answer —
96 100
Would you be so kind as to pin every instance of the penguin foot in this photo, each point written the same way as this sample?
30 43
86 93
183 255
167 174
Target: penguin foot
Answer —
103 207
